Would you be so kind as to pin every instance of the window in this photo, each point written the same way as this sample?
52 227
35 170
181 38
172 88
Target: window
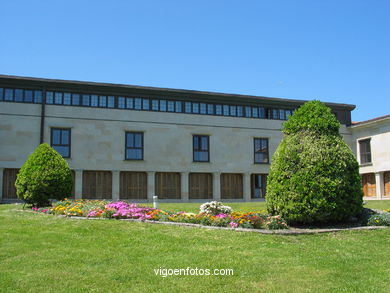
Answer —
28 96
163 105
129 103
201 148
210 109
67 98
258 185
203 109
171 106
94 100
38 97
49 97
155 105
188 107
18 95
102 101
261 150
85 100
60 141
121 102
233 111
138 103
218 109
145 104
1 93
240 111
248 112
195 108
111 101
57 98
134 146
225 110
365 151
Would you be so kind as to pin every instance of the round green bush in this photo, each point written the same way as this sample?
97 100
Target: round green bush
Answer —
44 176
314 176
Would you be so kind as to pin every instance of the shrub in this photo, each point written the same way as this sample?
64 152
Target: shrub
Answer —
45 175
314 176
379 220
215 208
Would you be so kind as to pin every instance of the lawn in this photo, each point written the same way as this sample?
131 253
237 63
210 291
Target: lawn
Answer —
44 253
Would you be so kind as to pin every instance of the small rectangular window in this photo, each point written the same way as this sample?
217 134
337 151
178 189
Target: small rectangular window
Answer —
145 104
233 111
195 108
210 109
171 106
203 108
38 97
262 113
60 141
282 114
121 102
258 185
18 95
102 101
49 97
75 99
134 146
240 111
365 151
188 107
155 104
28 96
111 101
255 112
67 98
1 93
163 105
248 111
86 101
218 109
201 148
275 114
130 103
57 98
178 107
138 103
226 110
261 151
94 100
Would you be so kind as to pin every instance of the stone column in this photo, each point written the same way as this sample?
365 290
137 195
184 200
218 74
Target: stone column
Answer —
1 183
78 190
379 182
115 185
184 186
151 185
217 186
247 186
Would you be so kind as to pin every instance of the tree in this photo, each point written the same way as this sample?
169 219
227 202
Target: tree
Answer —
44 176
314 176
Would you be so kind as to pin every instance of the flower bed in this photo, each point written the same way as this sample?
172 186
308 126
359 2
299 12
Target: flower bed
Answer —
212 214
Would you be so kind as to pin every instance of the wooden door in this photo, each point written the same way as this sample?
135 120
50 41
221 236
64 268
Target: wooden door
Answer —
9 178
97 185
231 186
368 183
201 185
386 179
133 185
168 185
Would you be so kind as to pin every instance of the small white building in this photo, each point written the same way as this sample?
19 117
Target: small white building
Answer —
372 148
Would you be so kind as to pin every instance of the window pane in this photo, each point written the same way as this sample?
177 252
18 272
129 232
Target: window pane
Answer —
111 102
262 113
49 97
145 104
288 114
195 108
205 143
239 111
63 150
9 95
210 109
178 107
102 101
130 103
67 98
56 136
226 110
28 96
135 154
75 99
121 102
65 137
57 98
255 112
282 114
138 140
248 112
1 94
138 103
201 156
18 95
85 100
218 109
203 108
171 106
94 100
196 142
163 105
188 107
233 111
155 105
38 97
130 140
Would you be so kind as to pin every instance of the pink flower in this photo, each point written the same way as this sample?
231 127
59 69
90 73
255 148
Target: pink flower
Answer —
233 225
221 216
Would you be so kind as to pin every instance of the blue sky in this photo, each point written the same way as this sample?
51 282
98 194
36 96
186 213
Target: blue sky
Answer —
332 50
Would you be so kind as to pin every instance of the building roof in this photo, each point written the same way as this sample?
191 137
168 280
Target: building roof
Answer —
117 89
373 120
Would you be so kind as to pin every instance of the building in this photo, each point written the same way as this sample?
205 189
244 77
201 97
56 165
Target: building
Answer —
133 142
372 145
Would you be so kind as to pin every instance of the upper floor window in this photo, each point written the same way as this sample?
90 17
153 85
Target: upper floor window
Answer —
134 146
365 151
201 148
60 141
261 150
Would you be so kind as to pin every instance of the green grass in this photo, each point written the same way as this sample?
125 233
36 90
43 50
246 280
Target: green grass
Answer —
44 253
